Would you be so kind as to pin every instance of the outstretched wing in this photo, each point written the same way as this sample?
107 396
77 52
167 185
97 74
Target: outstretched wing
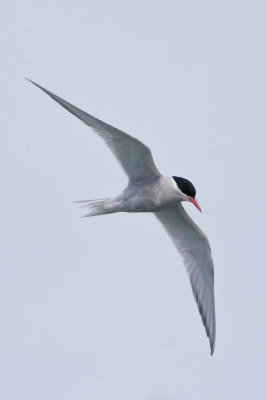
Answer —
134 157
194 247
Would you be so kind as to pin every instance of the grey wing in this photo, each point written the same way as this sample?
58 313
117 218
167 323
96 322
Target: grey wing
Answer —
134 157
194 247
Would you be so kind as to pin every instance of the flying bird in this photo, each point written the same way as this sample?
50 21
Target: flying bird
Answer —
150 191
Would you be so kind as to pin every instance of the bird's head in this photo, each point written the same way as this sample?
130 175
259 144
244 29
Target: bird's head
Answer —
187 189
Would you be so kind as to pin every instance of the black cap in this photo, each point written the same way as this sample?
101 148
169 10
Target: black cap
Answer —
185 186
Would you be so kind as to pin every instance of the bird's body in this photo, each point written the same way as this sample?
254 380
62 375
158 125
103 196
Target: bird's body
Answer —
144 196
150 191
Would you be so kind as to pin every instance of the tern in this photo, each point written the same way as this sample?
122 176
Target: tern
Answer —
150 191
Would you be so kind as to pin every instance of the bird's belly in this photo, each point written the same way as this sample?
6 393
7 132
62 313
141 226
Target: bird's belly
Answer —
141 204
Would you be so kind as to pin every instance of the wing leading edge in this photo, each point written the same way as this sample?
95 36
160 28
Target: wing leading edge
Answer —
134 156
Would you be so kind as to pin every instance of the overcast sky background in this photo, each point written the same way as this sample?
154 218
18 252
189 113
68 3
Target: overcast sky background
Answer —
101 308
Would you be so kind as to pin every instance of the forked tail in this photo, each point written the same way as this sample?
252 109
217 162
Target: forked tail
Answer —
95 207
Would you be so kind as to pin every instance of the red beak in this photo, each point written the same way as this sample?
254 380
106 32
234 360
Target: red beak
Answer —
194 202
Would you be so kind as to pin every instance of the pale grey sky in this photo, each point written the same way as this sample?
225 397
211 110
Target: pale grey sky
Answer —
101 308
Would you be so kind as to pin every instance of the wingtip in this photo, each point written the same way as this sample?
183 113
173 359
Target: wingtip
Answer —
212 347
54 97
29 80
34 83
